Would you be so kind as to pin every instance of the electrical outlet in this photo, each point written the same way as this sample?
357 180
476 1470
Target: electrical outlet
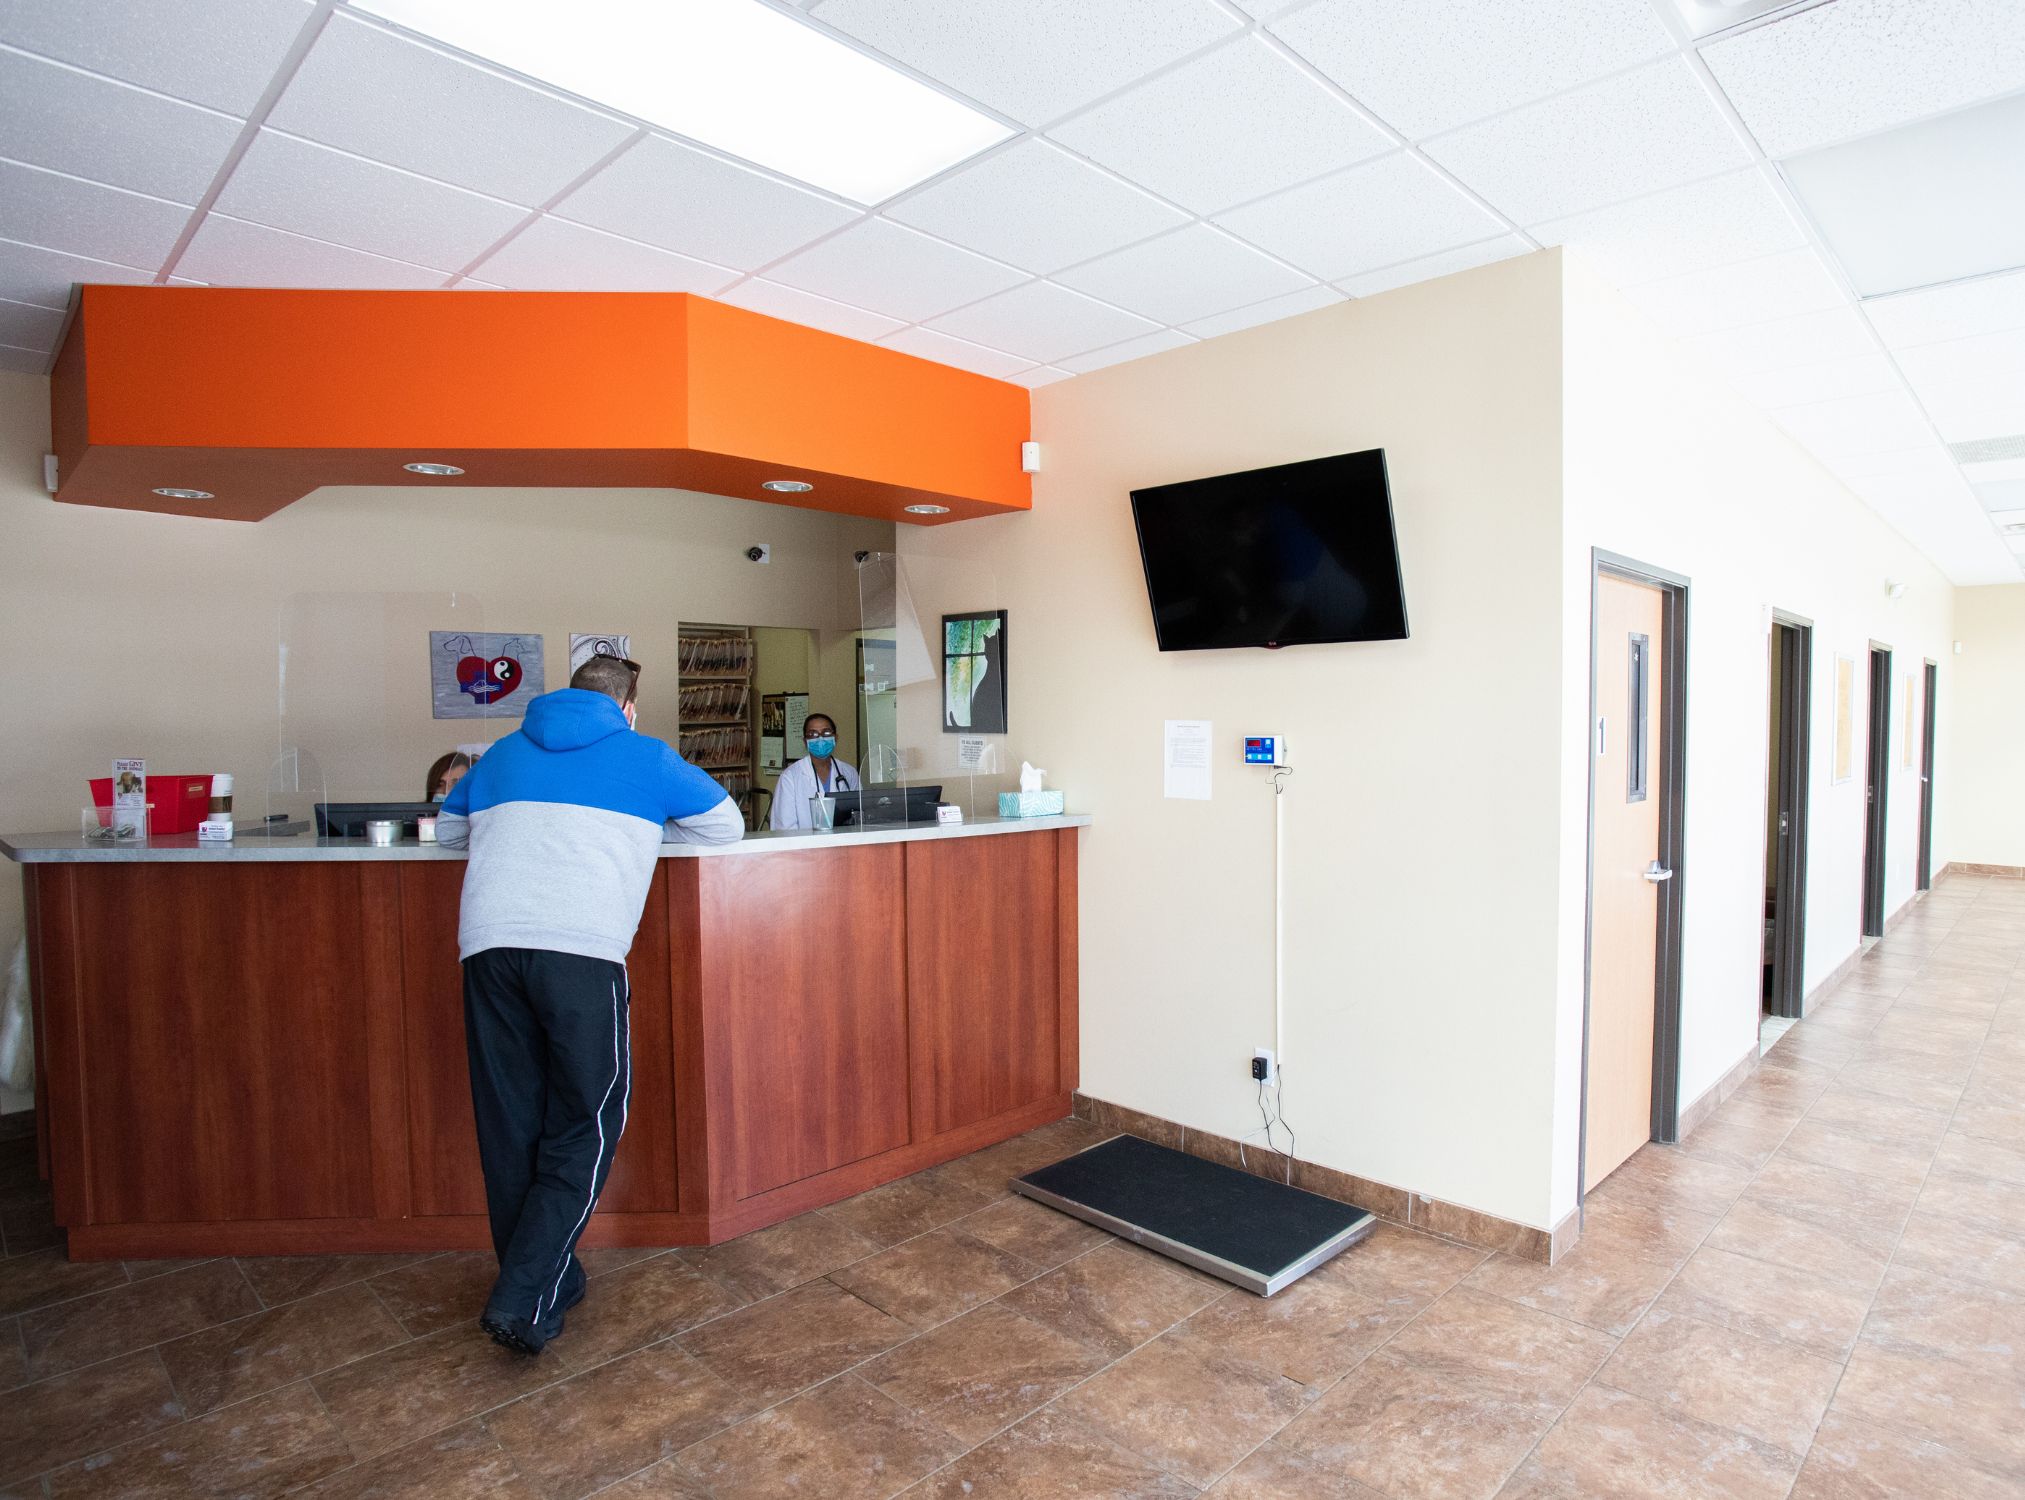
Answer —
1262 1066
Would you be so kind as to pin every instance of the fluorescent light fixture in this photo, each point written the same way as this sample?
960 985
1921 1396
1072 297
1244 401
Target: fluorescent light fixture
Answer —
734 74
1922 204
1705 18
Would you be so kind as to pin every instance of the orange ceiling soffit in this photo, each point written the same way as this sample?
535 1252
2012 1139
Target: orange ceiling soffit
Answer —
256 397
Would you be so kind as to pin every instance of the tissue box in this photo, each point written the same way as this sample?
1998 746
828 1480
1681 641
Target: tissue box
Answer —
1030 804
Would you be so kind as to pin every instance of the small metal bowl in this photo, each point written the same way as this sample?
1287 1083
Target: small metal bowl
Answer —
382 831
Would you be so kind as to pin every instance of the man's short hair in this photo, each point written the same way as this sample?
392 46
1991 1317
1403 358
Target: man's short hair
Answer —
607 675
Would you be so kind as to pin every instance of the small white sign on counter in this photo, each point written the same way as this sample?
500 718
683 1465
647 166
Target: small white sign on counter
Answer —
969 751
1185 763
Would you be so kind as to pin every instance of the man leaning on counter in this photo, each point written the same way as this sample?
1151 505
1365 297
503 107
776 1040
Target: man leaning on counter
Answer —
564 820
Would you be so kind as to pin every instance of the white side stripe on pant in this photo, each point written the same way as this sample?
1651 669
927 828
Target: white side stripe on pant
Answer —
590 1201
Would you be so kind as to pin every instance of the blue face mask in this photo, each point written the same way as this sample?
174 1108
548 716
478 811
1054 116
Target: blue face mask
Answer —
824 747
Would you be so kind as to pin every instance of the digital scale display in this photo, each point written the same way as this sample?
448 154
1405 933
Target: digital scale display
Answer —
1264 750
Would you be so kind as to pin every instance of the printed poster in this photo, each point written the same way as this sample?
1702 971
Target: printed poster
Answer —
483 675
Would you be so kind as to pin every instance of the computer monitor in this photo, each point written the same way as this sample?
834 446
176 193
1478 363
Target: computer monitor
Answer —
347 820
887 804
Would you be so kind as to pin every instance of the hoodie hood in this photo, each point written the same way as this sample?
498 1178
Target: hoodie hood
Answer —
572 718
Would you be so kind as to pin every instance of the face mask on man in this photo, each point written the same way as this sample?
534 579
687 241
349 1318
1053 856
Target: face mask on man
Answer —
823 746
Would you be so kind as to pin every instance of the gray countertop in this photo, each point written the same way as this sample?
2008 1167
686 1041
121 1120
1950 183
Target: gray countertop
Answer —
70 848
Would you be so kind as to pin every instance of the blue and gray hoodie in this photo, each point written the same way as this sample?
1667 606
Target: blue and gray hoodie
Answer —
564 819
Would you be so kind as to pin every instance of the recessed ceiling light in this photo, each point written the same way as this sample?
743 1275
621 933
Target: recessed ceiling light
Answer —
170 492
734 74
786 486
927 510
1705 18
446 471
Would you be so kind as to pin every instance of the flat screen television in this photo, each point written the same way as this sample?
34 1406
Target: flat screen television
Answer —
1295 555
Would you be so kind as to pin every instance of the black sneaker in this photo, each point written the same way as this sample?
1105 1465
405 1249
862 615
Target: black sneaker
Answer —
516 1334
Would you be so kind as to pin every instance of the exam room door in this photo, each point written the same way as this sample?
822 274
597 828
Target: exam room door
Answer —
1626 873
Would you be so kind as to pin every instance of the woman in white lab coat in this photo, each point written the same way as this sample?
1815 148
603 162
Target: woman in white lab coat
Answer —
817 773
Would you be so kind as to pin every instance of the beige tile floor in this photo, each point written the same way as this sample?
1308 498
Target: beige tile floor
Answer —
1821 1295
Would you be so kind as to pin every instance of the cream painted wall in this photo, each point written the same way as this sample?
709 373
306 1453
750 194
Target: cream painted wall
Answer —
130 634
1421 916
1981 809
1666 466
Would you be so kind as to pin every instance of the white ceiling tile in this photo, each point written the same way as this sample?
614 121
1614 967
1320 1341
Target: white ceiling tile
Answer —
2003 469
57 117
2002 495
552 255
1431 65
891 269
1989 304
1040 375
1188 274
664 192
383 96
1230 126
231 252
218 53
1850 425
1738 216
1044 322
1923 204
811 311
87 218
1926 460
1034 60
1973 388
1118 354
1269 311
43 278
1809 338
1862 65
330 195
945 350
29 327
1651 128
1429 267
1387 211
1860 375
1038 207
23 361
1753 291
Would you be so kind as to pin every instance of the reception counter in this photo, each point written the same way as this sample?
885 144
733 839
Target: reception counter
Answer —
258 1048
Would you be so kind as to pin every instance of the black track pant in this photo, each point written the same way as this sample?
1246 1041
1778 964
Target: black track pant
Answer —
551 1068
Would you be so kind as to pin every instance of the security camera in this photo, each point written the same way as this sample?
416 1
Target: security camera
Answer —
759 554
860 556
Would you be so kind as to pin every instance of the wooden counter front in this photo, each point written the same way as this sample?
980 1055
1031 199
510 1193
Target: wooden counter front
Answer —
268 1058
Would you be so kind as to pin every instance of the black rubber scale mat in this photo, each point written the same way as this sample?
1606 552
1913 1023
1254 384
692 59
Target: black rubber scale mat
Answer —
1256 1234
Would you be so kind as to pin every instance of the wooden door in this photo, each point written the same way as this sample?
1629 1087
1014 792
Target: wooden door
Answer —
1877 783
1625 873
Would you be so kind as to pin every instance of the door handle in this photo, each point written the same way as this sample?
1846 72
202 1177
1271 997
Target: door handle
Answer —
1655 874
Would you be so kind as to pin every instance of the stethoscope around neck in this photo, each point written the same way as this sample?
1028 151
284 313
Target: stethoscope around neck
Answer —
837 782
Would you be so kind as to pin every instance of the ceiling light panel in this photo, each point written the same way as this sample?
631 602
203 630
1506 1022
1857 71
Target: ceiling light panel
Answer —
56 117
1034 205
1808 338
330 195
893 270
1034 60
1925 203
231 252
1654 127
43 278
1425 67
1864 375
1972 388
1753 291
1189 274
1269 311
1044 322
87 218
1131 349
1863 65
1988 304
806 308
1378 214
1427 268
1925 460
1731 218
1856 424
947 350
1706 18
556 255
2002 495
217 53
383 96
734 74
1995 471
1235 124
672 195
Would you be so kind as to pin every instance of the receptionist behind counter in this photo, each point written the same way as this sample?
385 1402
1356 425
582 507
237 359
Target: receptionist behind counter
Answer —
819 773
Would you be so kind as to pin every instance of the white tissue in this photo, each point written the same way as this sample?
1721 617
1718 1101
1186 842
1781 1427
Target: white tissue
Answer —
1030 778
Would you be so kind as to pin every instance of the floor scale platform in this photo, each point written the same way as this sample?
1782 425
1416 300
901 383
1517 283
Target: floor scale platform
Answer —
1256 1234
